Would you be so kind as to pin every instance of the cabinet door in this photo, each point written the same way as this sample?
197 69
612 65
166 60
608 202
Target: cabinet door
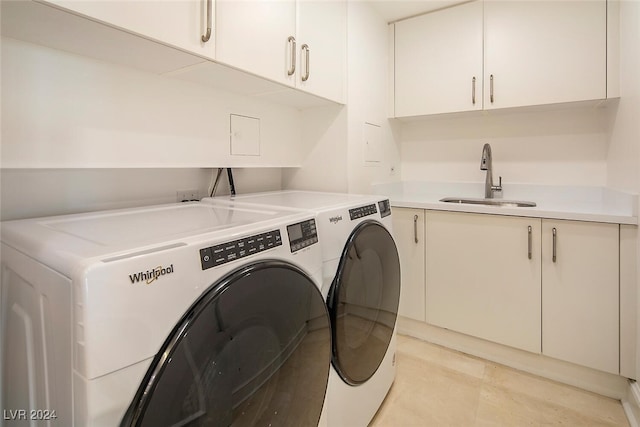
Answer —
322 27
542 52
483 276
179 24
580 302
408 231
437 57
253 35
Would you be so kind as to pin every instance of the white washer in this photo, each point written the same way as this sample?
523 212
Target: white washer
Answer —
164 315
362 286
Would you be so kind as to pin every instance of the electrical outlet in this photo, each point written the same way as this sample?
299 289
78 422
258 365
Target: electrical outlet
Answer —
188 196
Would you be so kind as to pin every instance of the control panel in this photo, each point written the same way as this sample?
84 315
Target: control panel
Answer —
362 211
385 208
302 234
223 253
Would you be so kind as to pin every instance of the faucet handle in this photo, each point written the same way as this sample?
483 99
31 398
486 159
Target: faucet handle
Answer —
498 187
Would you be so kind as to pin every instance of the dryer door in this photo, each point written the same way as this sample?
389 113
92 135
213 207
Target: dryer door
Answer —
363 302
255 349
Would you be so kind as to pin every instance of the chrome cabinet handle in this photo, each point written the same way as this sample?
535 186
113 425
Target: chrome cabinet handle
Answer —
305 50
491 88
473 90
530 243
554 256
415 228
207 35
292 46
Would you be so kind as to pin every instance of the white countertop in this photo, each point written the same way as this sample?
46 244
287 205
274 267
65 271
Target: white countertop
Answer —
596 204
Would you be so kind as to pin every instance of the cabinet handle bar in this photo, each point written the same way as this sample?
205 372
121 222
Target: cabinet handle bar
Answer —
473 90
415 228
555 244
292 46
207 35
491 88
530 243
305 50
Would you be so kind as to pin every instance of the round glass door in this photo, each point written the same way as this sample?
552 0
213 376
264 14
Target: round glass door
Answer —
254 349
363 302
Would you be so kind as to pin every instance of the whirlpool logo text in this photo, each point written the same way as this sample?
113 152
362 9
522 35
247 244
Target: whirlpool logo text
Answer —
335 219
151 276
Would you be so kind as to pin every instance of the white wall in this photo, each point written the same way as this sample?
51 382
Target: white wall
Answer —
561 146
624 151
62 110
27 193
325 167
368 98
67 121
336 161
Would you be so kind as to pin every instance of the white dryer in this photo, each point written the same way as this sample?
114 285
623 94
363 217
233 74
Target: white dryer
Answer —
362 286
185 314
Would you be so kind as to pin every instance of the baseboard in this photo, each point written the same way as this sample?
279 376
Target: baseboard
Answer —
602 383
631 404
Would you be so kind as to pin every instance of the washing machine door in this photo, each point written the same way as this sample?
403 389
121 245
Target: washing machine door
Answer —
363 302
255 349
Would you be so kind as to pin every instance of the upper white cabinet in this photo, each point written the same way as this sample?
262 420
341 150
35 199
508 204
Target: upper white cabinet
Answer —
544 52
438 62
298 43
521 53
255 36
277 50
97 30
181 24
408 232
580 293
322 27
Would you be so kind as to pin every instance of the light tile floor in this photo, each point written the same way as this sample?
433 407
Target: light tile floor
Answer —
436 386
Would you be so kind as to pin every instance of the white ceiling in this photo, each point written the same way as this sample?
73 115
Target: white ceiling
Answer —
393 10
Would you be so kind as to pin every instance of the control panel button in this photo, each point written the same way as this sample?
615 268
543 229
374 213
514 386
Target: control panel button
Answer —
206 259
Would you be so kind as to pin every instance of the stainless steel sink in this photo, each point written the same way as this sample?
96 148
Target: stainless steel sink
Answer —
489 202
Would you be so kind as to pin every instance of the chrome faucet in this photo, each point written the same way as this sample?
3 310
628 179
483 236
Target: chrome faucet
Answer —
485 165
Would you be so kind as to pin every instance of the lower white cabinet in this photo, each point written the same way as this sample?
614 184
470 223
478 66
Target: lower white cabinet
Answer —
408 231
483 277
580 293
545 286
